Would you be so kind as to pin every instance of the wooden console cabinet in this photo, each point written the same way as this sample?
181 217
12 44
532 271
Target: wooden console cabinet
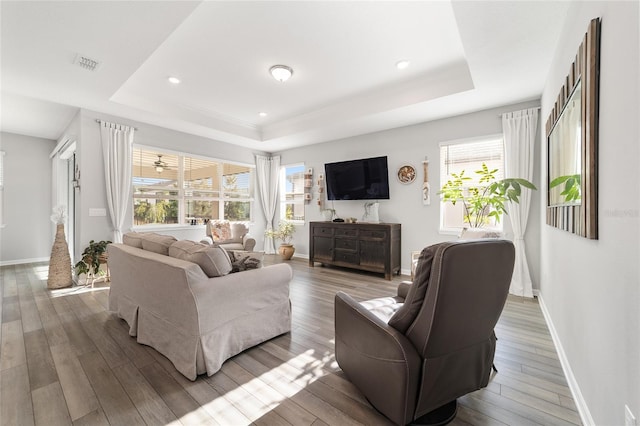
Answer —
373 247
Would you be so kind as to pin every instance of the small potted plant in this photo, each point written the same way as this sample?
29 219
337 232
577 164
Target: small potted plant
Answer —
92 256
284 233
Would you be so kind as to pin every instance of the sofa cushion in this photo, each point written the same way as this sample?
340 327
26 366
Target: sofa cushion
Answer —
243 260
238 230
213 261
157 243
133 239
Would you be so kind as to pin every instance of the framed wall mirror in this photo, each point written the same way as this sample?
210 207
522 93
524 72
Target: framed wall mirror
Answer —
572 144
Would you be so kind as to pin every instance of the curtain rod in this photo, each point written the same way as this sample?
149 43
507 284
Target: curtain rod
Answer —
500 115
100 121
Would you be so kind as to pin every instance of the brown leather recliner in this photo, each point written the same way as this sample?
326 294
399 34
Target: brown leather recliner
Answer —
419 351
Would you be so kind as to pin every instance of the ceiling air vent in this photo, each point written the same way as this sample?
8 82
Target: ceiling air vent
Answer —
86 62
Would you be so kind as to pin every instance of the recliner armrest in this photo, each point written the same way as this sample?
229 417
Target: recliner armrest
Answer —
403 289
248 242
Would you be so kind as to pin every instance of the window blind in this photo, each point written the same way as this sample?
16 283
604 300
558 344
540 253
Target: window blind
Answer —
469 156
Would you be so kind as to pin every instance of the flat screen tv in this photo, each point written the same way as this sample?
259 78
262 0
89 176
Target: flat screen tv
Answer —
364 179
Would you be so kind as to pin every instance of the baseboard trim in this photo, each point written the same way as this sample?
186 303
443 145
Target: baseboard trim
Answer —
581 404
23 261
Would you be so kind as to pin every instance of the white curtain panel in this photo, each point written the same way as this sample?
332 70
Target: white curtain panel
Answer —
519 129
117 146
268 171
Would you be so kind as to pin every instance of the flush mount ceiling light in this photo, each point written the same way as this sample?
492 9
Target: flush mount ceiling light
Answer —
402 64
174 80
262 114
281 73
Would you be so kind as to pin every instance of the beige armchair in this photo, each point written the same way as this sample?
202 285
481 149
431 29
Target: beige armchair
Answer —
229 235
414 354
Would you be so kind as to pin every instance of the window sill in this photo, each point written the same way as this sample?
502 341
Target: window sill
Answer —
458 231
151 228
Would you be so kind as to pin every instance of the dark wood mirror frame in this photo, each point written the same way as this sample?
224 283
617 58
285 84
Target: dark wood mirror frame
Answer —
581 219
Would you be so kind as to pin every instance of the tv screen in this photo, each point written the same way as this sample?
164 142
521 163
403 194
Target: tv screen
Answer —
365 179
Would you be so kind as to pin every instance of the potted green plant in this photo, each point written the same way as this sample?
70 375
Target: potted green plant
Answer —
487 199
92 256
284 233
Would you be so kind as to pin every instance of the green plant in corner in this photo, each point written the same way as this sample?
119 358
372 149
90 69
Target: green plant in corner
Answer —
91 256
487 199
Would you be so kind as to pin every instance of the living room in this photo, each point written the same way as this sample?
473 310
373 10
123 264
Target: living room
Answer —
589 288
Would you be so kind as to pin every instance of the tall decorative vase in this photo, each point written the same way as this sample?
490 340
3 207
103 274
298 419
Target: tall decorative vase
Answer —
60 262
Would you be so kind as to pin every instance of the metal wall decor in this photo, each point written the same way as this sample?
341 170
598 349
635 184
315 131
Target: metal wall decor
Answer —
406 174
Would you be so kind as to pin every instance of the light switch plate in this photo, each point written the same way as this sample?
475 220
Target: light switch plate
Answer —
97 212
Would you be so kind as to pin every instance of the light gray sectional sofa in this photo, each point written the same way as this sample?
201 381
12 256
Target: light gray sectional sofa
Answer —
195 320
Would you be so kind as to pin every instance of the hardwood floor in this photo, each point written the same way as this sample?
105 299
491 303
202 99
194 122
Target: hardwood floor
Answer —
65 360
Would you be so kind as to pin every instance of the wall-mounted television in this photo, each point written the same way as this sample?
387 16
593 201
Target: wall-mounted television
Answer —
364 179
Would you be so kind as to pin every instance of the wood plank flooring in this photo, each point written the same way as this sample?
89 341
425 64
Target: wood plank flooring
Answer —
65 360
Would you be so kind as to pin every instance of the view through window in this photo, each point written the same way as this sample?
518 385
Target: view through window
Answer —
170 188
469 156
292 192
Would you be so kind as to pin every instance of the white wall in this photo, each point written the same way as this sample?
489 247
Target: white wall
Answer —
410 144
591 288
92 192
28 234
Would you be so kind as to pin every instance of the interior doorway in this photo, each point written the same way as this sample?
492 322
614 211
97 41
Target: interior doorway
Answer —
65 187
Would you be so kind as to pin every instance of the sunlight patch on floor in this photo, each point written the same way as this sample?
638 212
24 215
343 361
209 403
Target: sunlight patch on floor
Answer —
42 272
76 290
276 385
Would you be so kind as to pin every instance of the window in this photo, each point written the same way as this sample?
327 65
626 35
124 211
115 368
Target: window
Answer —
469 156
292 192
1 188
170 188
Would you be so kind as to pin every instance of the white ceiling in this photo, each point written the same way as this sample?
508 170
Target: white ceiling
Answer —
465 56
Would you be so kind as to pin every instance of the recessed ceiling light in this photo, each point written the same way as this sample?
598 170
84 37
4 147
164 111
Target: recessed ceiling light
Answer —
281 73
174 80
402 64
262 114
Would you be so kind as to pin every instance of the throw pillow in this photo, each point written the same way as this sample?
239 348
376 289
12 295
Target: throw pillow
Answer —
213 261
157 243
244 260
220 230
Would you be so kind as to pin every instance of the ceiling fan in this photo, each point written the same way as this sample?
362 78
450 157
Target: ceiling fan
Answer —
160 165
